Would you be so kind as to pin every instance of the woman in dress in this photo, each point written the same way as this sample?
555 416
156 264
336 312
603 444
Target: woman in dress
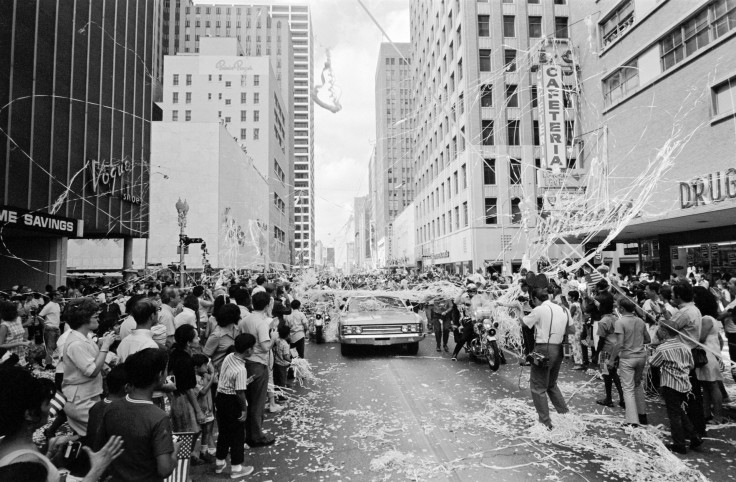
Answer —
12 334
710 374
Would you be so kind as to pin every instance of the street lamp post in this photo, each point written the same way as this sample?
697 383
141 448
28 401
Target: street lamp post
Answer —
182 208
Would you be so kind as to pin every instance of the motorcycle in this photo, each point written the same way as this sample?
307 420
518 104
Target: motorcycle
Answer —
483 345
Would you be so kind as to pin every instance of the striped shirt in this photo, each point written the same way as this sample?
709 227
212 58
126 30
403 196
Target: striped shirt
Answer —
233 375
675 362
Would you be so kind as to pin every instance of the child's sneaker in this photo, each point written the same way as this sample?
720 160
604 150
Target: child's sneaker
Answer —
241 472
220 466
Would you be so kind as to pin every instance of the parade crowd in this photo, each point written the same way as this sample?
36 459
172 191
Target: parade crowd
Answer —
127 367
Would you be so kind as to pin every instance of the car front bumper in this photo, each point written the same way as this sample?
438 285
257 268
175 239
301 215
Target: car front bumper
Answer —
379 340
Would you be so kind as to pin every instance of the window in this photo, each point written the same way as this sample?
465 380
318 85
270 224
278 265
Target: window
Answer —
486 96
724 97
189 79
209 96
187 115
256 80
484 26
509 26
242 97
487 132
569 132
243 115
617 22
516 211
256 97
256 134
561 27
512 130
454 179
724 17
242 134
175 98
227 101
560 2
464 173
176 79
228 83
535 27
535 133
457 217
509 60
491 210
621 82
256 116
489 171
188 97
534 97
174 115
514 171
512 96
228 120
485 60
465 214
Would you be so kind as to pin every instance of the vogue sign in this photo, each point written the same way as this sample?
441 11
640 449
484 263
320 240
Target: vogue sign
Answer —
709 189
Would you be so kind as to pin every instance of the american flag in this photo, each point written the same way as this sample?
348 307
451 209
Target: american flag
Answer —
187 439
57 403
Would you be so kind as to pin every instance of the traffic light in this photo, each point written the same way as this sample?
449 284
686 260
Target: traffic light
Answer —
186 240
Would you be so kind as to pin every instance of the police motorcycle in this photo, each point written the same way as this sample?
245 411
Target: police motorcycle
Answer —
483 345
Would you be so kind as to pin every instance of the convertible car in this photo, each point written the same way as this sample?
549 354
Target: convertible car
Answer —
379 320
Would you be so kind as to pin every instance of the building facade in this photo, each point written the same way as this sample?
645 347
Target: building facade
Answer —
392 161
246 96
476 148
363 234
668 79
259 29
78 81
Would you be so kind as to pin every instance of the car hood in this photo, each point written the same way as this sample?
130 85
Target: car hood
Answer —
380 317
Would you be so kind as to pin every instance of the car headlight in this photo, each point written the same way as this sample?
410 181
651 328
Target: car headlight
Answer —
413 328
405 328
358 330
487 324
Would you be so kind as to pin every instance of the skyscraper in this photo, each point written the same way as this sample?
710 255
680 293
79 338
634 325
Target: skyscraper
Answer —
185 23
392 163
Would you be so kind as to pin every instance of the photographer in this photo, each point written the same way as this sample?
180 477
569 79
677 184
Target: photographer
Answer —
552 323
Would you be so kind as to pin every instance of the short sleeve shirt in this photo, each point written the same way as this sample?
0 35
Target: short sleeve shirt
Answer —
607 330
52 314
633 330
257 324
146 433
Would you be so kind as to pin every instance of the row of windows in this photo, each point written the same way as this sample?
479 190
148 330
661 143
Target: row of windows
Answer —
513 132
444 224
509 26
279 235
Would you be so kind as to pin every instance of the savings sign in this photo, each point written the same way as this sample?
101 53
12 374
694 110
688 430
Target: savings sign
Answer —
552 112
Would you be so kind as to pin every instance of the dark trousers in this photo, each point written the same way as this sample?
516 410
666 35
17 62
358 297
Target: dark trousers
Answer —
279 375
543 382
731 337
680 425
441 330
610 380
695 407
256 397
465 336
528 338
299 345
232 431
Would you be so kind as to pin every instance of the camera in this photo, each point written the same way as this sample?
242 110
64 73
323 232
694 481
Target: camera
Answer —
72 450
538 359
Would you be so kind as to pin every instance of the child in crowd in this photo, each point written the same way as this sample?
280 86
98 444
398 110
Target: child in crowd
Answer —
205 378
675 362
281 356
116 385
150 453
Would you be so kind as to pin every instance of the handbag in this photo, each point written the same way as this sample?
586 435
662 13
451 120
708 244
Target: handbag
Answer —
699 357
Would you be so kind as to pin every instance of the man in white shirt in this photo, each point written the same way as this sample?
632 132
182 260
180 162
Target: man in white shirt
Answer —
51 315
145 314
260 281
552 323
170 299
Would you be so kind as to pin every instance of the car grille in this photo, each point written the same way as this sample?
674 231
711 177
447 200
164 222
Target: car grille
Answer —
381 329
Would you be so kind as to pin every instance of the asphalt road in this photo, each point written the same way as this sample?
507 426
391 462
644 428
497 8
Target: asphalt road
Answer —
383 415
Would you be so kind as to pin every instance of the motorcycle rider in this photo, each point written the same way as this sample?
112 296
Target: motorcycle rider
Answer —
468 302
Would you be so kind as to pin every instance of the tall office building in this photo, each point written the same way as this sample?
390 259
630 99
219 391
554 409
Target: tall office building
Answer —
184 24
77 85
391 166
476 143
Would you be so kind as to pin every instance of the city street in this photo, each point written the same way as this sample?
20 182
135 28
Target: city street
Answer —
382 415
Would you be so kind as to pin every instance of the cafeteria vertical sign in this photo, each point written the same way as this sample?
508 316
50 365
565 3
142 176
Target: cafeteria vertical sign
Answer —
552 111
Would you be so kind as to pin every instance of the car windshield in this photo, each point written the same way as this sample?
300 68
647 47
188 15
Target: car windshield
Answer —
375 303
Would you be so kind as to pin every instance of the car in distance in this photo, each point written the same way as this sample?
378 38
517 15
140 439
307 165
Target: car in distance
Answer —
379 320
